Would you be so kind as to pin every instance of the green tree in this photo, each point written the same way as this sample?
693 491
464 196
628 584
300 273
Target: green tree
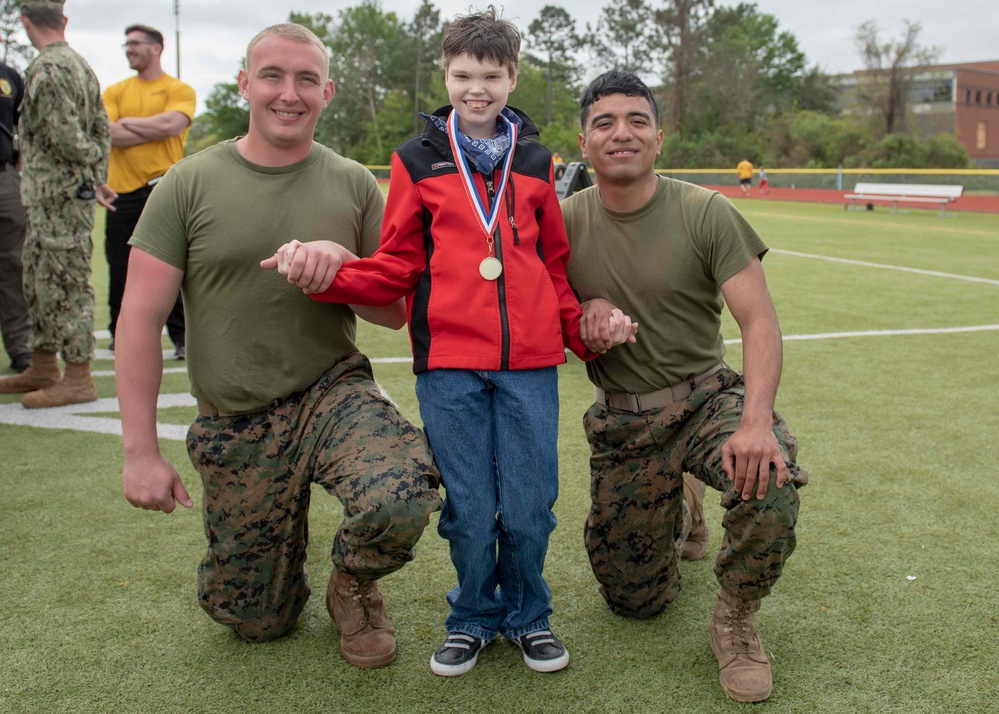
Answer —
553 34
425 36
621 38
369 61
681 24
747 71
818 92
890 65
15 53
226 112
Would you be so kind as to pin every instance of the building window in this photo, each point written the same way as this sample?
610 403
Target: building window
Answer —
988 98
967 96
978 97
982 139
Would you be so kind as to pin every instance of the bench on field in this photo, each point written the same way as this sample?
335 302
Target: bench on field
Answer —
895 193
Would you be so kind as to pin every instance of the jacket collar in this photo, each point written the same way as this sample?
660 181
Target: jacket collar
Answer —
433 137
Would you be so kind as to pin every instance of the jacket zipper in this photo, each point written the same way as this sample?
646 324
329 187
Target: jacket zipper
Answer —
511 201
501 281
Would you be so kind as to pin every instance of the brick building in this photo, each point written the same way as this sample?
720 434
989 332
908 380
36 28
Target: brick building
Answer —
960 99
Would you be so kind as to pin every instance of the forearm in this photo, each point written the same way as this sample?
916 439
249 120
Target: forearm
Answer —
138 373
762 362
158 127
392 316
123 137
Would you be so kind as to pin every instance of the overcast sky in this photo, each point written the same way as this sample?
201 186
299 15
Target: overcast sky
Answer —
214 33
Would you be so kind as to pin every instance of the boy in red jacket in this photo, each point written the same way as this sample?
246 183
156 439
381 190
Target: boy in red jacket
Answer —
473 237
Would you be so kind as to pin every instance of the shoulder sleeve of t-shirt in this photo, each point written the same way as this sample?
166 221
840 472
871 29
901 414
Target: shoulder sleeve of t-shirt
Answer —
726 239
181 98
112 97
162 228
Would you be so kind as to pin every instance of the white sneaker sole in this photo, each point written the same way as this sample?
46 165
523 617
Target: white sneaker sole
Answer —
454 670
547 665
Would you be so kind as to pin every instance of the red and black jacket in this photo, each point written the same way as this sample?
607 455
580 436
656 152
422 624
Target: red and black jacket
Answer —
431 247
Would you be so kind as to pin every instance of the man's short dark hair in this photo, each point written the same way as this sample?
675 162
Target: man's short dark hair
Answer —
51 18
616 81
151 33
484 36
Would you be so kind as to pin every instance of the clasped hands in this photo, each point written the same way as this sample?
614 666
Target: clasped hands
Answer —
312 266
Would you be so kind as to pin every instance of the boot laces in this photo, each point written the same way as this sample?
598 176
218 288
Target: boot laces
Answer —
361 592
735 625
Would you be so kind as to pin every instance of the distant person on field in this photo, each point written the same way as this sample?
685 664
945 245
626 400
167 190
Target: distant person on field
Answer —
674 254
64 149
745 173
150 116
473 237
764 185
285 400
15 323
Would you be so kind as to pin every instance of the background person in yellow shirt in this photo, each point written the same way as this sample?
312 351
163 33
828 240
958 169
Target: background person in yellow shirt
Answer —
150 116
744 171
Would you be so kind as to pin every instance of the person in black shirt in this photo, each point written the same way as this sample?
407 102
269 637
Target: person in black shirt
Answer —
15 324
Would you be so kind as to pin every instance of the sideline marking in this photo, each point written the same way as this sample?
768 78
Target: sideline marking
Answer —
880 333
883 266
73 416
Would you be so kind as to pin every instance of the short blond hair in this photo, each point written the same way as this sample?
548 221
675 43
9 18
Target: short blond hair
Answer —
289 31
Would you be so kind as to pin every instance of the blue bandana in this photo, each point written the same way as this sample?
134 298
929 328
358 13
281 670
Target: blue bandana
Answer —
484 154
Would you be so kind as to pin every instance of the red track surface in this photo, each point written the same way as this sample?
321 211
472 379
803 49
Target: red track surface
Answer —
983 204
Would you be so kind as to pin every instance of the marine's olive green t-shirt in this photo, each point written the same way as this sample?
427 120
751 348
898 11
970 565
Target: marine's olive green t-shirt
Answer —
252 337
662 265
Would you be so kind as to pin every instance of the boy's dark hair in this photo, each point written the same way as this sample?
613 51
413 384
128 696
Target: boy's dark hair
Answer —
616 81
154 35
484 36
51 18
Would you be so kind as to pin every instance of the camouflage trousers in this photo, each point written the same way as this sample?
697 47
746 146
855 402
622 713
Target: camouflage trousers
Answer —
636 487
257 469
57 252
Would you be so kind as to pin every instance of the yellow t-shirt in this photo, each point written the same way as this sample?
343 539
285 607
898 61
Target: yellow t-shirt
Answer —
131 167
744 170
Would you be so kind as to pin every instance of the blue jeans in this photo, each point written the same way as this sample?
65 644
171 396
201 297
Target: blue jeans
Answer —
494 436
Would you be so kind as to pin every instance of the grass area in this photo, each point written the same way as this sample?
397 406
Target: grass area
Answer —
888 605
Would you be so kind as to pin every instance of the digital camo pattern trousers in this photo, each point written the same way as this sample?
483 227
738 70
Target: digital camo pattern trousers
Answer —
257 470
636 468
57 253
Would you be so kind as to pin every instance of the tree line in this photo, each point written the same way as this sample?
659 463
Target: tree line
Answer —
729 81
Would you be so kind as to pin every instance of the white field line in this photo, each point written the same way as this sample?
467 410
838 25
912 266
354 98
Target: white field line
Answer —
75 416
882 266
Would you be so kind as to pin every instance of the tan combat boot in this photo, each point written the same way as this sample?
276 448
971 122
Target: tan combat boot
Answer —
367 638
76 387
696 544
744 667
43 373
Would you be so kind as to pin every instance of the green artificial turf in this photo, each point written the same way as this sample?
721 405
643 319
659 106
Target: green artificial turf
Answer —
888 605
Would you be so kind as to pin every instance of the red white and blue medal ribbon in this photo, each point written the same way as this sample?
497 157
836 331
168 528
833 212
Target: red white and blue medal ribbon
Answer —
485 216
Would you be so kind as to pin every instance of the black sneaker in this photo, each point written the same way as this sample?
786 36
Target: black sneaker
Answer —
457 655
180 352
542 651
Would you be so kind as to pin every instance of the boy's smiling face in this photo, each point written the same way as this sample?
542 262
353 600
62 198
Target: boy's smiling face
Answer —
478 90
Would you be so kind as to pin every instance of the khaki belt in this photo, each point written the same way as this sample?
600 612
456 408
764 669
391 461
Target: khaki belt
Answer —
207 409
638 403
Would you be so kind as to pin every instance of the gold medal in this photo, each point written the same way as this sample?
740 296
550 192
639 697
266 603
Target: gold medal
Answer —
490 268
